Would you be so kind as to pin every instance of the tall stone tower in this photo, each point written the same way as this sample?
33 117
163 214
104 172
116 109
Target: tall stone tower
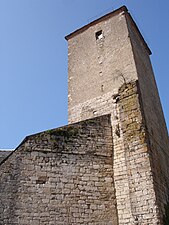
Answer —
110 73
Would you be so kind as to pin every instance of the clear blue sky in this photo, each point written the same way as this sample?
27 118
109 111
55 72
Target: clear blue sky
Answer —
33 58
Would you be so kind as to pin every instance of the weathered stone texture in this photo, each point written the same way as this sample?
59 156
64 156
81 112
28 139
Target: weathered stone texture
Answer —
103 70
157 134
4 154
136 200
98 67
62 176
112 169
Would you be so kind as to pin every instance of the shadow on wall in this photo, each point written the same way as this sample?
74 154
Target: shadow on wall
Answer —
166 218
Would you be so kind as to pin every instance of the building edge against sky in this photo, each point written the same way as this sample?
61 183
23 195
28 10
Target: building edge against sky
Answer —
103 56
44 114
109 73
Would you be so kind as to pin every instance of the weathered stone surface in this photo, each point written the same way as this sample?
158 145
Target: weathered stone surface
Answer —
157 134
136 200
61 176
113 74
111 169
4 154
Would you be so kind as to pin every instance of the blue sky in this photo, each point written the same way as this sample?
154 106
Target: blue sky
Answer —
33 58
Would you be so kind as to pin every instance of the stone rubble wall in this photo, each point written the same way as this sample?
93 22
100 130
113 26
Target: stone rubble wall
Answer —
62 176
4 154
133 176
156 129
111 169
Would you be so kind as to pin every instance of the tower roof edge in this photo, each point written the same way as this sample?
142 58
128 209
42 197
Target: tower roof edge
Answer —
85 27
138 31
111 14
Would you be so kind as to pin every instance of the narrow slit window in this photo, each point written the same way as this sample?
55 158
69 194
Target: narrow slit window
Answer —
99 35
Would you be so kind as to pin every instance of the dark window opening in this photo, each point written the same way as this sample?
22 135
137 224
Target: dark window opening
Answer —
99 35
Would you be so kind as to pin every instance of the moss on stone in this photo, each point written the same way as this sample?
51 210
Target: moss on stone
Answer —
66 132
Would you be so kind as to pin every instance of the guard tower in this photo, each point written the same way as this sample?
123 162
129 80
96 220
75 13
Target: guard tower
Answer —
110 73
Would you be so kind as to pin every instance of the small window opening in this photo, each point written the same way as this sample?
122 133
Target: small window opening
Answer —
99 35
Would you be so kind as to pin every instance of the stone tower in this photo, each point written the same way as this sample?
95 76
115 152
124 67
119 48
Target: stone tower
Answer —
110 165
110 73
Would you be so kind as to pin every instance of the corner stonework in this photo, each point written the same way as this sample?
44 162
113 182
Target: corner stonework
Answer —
135 195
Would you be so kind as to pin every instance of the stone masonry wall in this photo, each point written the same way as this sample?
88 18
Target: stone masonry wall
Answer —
155 122
62 176
121 58
111 169
97 67
134 184
4 154
136 200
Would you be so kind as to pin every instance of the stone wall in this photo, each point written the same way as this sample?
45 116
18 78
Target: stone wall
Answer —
154 119
133 174
62 176
4 154
97 67
133 177
111 169
136 200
